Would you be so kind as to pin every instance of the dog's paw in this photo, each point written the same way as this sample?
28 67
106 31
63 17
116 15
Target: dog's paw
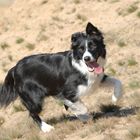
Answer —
114 99
46 127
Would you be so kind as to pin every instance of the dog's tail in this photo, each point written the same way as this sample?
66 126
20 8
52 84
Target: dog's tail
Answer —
7 91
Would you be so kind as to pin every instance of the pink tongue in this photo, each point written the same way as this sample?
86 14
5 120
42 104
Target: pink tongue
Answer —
98 70
94 66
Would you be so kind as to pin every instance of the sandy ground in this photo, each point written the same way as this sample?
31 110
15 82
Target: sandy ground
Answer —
37 26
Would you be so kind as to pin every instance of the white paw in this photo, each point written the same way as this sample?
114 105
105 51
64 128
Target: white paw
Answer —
46 128
114 99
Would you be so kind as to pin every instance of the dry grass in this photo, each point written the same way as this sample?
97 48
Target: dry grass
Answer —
129 10
50 23
134 99
134 133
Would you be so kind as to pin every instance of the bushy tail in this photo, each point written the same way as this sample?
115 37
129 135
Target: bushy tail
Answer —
7 91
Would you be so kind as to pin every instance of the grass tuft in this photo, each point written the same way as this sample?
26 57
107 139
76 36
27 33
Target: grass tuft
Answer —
132 62
4 45
114 1
134 84
44 2
121 63
76 1
30 46
19 40
132 9
138 14
112 71
2 120
10 57
121 43
81 17
18 108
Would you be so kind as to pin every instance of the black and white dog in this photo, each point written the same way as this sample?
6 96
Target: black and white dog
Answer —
63 75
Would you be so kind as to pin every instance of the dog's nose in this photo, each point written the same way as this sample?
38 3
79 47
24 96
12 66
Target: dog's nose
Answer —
87 58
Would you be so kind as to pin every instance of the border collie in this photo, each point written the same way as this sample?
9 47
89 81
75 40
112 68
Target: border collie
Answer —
63 75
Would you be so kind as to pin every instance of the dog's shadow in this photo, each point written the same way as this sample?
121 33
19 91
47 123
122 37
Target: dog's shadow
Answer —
106 111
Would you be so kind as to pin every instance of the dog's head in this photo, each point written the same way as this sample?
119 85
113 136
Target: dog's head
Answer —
88 46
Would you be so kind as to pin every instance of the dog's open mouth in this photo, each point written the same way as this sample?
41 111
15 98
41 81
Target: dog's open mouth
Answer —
94 67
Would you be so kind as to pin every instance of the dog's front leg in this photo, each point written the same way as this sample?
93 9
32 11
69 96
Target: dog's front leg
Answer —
116 84
78 109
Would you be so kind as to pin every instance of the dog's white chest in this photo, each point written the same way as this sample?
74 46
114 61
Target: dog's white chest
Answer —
92 84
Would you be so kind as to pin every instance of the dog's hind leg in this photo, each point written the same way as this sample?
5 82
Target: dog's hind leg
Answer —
109 81
32 97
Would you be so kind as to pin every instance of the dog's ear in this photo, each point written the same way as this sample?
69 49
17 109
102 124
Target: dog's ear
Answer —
91 29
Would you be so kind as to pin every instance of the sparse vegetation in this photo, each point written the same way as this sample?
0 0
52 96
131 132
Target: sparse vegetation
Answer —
134 84
114 1
35 137
41 37
35 24
121 63
30 46
56 18
103 125
121 43
134 133
76 1
134 99
2 120
4 67
112 71
4 45
19 40
44 2
138 14
84 134
10 57
132 8
81 17
132 62
18 108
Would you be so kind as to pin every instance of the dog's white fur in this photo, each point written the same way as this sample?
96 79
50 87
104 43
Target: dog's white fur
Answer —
46 127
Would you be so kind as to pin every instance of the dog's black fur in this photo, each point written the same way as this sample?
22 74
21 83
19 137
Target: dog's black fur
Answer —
38 76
